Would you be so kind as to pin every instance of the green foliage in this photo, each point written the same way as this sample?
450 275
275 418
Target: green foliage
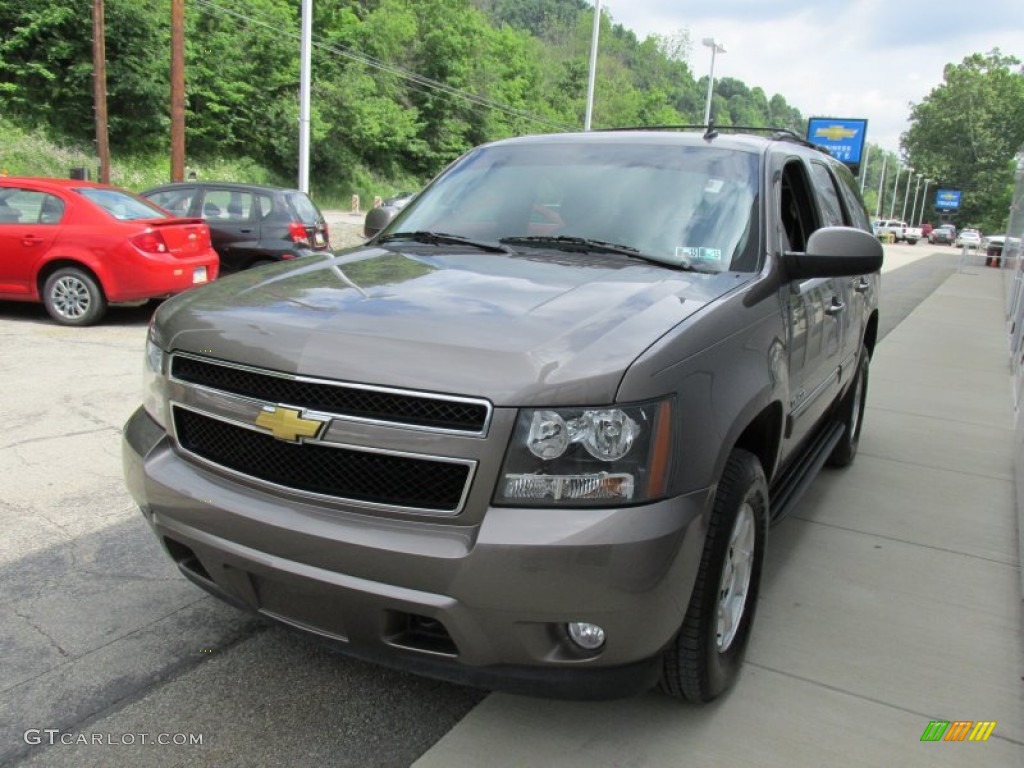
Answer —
400 87
964 135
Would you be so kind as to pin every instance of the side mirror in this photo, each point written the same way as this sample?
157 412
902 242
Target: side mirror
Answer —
835 252
377 219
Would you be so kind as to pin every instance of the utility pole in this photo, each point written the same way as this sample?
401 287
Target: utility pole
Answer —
177 90
99 88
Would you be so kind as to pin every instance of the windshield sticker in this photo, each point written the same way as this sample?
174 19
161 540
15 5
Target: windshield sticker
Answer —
699 254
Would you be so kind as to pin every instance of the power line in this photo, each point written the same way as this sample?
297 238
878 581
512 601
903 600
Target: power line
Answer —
418 82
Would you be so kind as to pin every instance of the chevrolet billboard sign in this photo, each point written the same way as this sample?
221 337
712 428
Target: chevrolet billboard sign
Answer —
843 138
947 199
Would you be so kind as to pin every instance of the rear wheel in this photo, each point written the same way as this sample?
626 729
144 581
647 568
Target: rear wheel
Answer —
73 297
705 657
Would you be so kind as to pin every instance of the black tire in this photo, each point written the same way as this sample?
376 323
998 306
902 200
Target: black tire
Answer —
704 658
73 297
851 416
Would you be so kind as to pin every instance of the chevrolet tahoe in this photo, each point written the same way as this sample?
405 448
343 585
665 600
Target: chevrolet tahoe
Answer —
532 435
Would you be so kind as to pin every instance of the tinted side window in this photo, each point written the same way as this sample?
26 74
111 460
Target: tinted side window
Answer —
27 206
828 196
266 203
228 205
797 213
857 213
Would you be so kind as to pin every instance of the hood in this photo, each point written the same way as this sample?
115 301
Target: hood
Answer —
542 327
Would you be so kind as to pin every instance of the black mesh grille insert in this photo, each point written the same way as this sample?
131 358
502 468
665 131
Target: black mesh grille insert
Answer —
341 472
334 398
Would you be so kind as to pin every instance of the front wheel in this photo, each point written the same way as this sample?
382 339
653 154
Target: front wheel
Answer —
705 657
73 297
851 415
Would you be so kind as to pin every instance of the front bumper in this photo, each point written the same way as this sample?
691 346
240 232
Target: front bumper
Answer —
483 604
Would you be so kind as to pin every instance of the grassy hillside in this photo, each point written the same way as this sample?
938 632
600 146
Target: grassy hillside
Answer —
31 153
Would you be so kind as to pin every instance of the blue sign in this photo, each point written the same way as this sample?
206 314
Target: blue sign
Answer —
844 139
947 199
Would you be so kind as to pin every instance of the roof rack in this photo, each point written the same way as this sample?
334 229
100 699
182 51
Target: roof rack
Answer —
711 131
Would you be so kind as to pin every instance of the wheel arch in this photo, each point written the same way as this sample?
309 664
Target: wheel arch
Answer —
871 332
762 437
52 266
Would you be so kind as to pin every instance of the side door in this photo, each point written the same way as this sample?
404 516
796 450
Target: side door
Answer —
29 223
862 289
234 226
814 308
848 303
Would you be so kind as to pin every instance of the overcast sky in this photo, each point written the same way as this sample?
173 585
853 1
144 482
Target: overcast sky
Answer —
835 58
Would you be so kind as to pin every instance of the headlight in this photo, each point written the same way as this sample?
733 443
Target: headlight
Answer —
154 384
588 456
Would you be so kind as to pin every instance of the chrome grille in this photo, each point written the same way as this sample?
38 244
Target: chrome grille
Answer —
376 404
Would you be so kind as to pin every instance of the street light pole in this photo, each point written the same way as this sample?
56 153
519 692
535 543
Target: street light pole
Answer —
895 186
917 188
593 65
716 47
305 56
881 181
906 196
864 175
924 201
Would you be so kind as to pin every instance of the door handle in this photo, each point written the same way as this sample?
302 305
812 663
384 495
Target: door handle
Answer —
245 231
31 240
861 286
835 307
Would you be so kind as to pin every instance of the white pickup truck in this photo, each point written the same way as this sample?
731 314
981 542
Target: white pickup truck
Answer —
899 230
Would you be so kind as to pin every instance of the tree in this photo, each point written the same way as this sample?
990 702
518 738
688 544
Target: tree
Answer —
965 133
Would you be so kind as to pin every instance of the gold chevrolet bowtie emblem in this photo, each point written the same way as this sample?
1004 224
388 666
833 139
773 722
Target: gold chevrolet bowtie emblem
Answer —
836 132
288 424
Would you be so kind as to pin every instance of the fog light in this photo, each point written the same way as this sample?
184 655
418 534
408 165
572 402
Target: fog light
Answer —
589 637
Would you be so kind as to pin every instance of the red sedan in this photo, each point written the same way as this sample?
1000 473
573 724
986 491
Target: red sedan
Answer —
77 245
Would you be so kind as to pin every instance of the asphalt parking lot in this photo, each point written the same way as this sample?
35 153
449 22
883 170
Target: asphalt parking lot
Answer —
103 639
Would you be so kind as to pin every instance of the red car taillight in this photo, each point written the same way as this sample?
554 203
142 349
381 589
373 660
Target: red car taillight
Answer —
297 232
150 242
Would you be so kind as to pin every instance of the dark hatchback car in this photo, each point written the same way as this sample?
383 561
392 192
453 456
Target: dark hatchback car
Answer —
250 225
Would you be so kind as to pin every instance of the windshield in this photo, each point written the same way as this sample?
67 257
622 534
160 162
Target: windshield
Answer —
121 205
675 204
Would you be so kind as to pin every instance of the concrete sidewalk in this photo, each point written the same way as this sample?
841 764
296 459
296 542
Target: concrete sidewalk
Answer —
891 597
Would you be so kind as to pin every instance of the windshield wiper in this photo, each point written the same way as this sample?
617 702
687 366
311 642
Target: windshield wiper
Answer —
443 238
587 245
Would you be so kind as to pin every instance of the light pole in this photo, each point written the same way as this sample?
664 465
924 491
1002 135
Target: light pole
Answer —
917 188
906 196
593 65
716 47
924 201
895 186
881 181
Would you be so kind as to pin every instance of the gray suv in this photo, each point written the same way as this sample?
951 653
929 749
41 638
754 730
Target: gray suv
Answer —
532 435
